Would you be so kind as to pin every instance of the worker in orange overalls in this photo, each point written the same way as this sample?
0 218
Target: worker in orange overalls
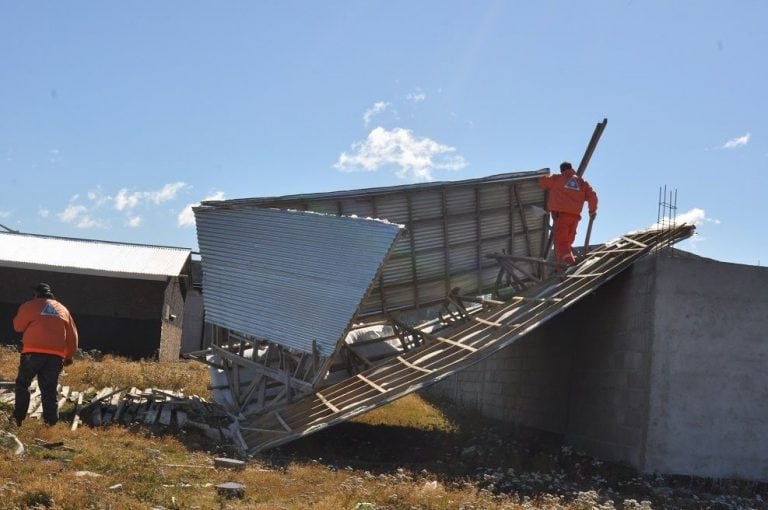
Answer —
567 194
49 342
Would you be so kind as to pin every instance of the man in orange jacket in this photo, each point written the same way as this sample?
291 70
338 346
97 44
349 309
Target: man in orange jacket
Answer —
49 342
567 194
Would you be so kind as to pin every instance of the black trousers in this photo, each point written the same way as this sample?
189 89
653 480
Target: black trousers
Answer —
46 367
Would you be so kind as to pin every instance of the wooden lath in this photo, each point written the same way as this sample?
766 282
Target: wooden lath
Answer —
460 346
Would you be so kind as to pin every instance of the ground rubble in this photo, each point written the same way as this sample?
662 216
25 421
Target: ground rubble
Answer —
535 469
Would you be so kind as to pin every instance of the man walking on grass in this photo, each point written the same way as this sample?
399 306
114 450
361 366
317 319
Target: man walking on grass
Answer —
48 344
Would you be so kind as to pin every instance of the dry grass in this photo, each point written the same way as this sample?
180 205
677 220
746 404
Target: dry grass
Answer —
175 470
407 455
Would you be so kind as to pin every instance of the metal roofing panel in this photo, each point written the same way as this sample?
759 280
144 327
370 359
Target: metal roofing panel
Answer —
83 256
457 216
290 277
310 198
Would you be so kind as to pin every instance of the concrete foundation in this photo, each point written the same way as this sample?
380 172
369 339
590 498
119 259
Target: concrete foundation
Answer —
662 368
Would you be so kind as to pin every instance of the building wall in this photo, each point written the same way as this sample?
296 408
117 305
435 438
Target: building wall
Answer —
582 374
112 314
662 368
709 391
172 320
524 383
192 331
612 333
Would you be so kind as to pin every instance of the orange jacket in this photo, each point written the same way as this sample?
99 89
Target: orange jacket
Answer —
47 326
568 192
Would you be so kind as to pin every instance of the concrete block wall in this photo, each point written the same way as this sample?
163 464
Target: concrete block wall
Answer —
709 375
663 368
525 383
608 406
583 374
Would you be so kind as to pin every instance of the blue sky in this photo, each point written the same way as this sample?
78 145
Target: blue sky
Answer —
116 116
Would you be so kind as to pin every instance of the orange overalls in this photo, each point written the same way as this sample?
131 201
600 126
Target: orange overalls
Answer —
567 194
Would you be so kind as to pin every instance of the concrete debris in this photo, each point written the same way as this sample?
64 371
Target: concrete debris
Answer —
231 490
87 474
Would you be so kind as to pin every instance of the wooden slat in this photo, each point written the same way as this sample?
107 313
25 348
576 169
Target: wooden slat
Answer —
487 323
272 373
371 383
411 365
584 275
454 342
634 241
327 403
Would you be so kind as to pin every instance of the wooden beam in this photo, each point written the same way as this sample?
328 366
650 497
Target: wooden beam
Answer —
371 383
415 367
327 403
634 241
272 373
487 323
591 147
454 342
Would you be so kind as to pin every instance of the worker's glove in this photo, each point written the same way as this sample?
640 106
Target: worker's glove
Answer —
592 215
67 362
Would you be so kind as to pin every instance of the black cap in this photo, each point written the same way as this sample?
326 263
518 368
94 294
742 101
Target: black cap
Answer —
565 166
43 290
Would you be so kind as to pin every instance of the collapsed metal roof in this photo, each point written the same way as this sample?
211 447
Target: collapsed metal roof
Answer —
474 337
427 315
294 278
83 256
450 227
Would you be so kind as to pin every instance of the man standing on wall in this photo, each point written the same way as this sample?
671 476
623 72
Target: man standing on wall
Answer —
48 344
567 194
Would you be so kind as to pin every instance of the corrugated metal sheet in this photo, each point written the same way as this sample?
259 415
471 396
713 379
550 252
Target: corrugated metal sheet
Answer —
290 277
450 226
83 256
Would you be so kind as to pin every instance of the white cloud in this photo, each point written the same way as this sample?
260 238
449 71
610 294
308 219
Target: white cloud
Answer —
414 158
128 200
695 216
43 212
124 200
71 213
186 217
168 192
97 202
417 96
5 214
737 142
80 216
374 110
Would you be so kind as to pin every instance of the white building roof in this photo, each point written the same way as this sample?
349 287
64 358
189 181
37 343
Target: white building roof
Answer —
83 256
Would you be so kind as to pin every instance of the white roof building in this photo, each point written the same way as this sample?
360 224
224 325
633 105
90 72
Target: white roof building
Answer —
84 256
